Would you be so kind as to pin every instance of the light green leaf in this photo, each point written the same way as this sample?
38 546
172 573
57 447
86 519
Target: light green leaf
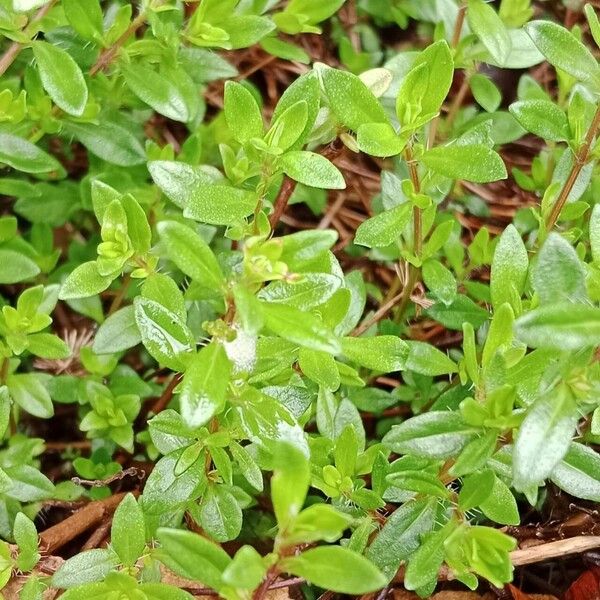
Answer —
61 77
509 268
15 267
436 434
544 437
84 281
563 50
128 532
191 254
476 162
204 385
219 204
242 113
385 228
542 118
193 556
578 473
427 359
337 569
308 291
22 155
300 327
164 335
564 326
489 28
119 332
311 169
385 353
350 99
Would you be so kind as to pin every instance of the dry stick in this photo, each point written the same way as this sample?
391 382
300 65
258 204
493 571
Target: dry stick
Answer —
458 25
580 160
89 516
15 48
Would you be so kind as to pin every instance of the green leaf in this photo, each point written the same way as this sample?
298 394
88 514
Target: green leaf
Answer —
385 228
476 489
191 254
500 506
379 139
84 281
489 28
28 484
128 532
424 88
308 291
564 326
337 569
242 113
193 556
476 162
425 563
119 332
542 118
427 359
204 385
310 168
85 567
109 141
219 204
171 93
320 367
401 535
15 267
220 514
26 537
246 570
439 280
164 335
85 18
350 99
300 327
563 50
47 345
475 454
436 434
486 93
247 465
61 77
385 353
578 473
28 391
509 268
22 155
558 275
544 437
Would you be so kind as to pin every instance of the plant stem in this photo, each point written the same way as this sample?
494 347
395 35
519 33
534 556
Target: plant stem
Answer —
458 25
413 272
15 48
109 54
458 100
580 160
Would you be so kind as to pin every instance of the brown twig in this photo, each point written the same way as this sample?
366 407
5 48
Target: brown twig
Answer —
458 25
579 160
89 516
378 314
131 471
289 185
108 55
15 48
166 396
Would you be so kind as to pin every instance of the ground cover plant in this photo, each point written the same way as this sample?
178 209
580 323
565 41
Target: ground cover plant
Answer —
298 296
